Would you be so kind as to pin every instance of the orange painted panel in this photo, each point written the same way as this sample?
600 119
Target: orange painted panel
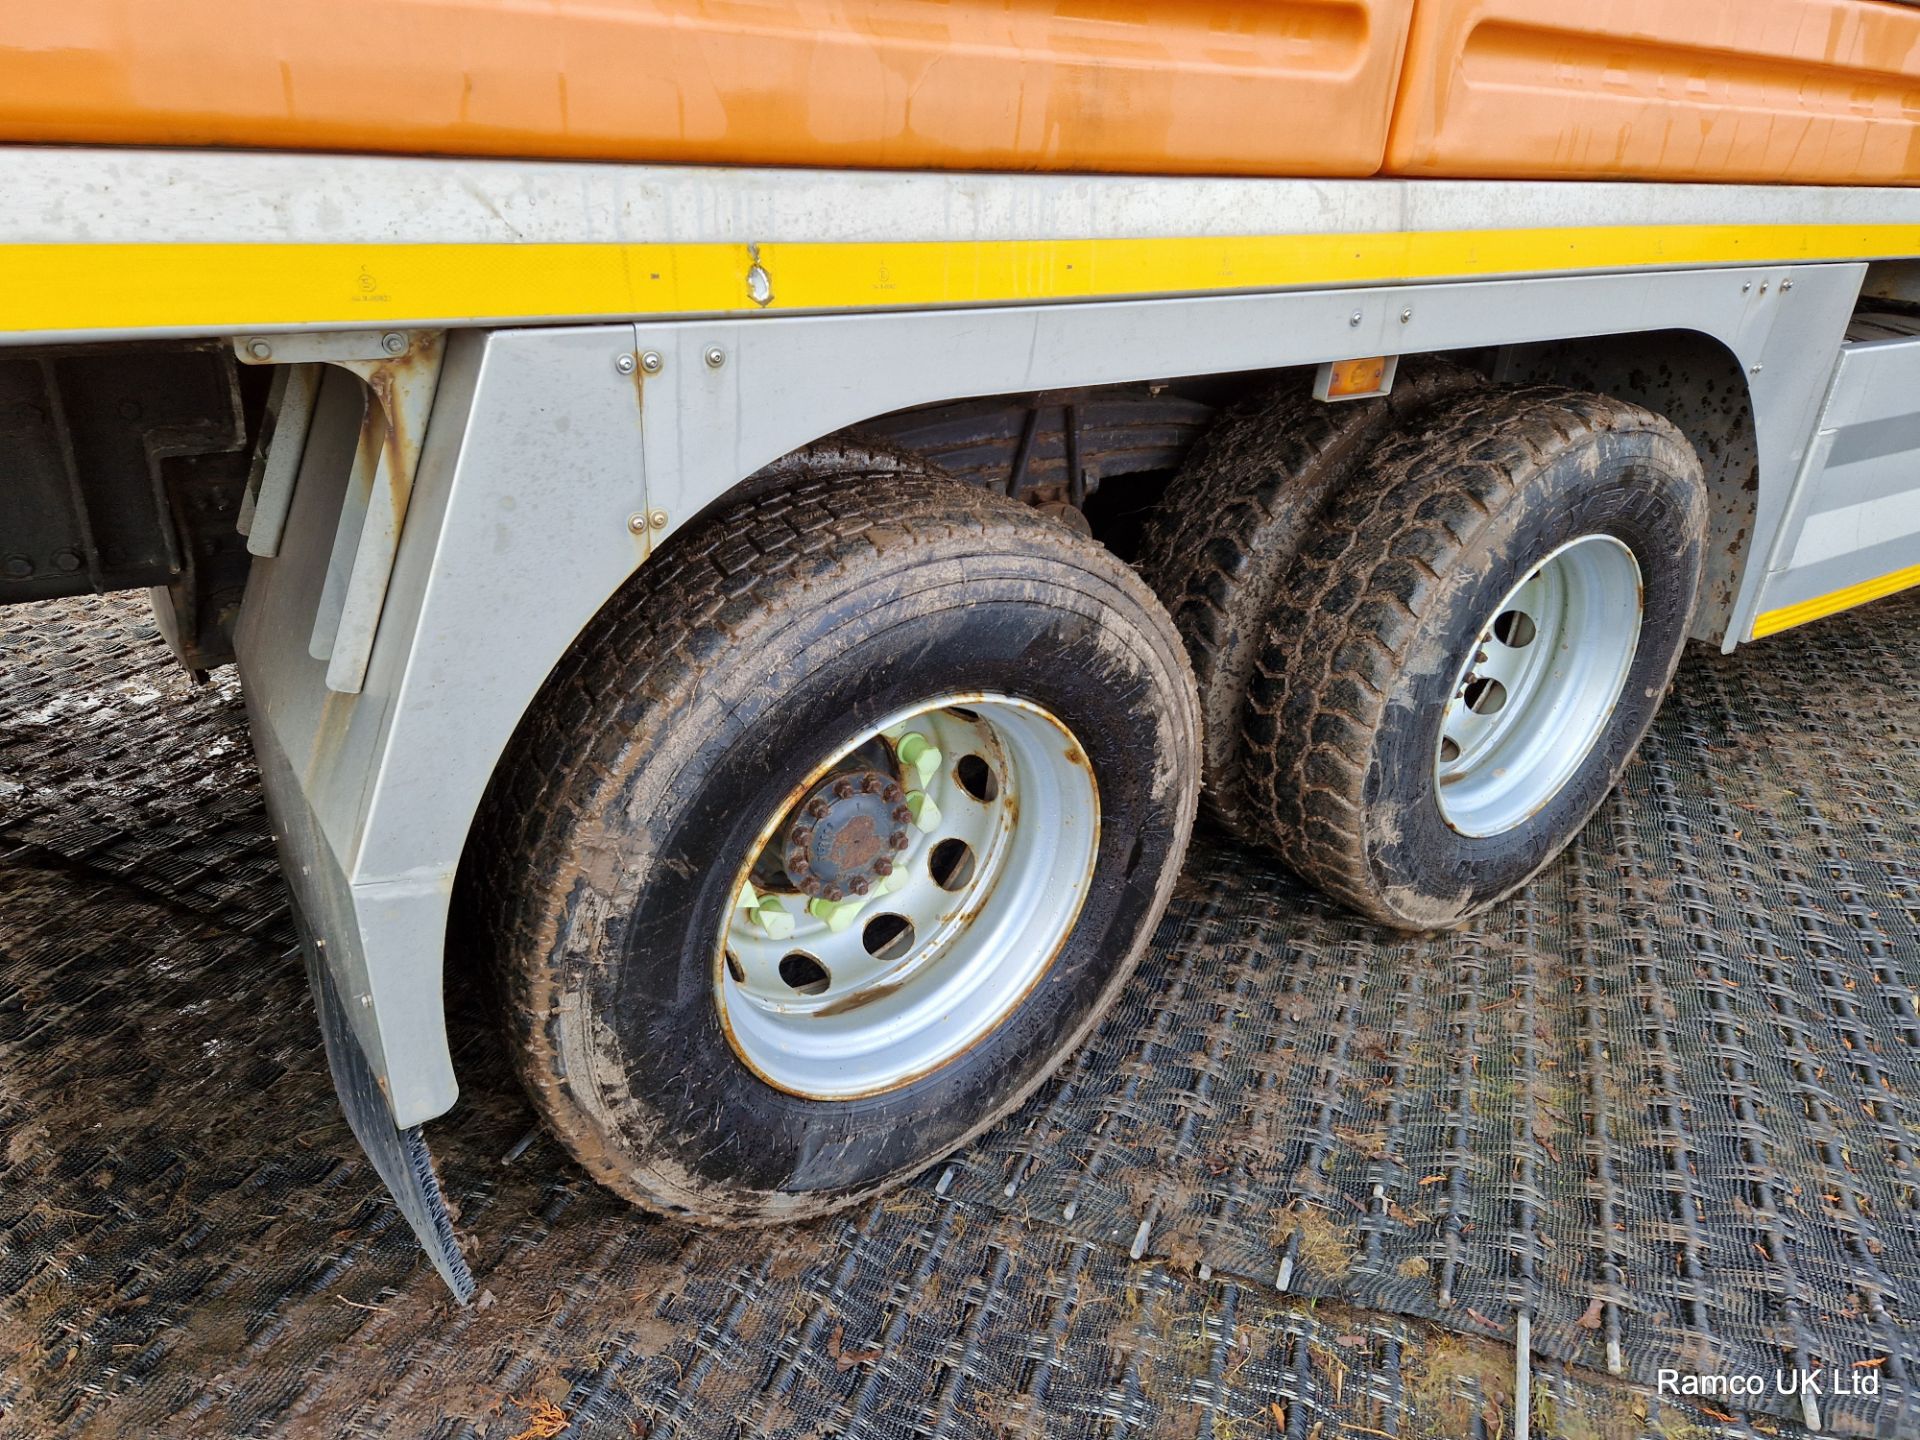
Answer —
1814 91
1301 87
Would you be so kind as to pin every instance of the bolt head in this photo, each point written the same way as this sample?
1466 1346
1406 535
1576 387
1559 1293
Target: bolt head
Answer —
657 519
260 349
715 357
1355 318
637 523
394 343
1406 315
1785 285
652 362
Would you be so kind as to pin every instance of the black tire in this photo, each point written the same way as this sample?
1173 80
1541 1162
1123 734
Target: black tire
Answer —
1389 595
742 656
1225 534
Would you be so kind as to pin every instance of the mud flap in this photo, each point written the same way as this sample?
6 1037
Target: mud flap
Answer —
400 1156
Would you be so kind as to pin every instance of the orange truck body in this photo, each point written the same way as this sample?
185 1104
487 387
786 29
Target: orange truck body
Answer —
1809 91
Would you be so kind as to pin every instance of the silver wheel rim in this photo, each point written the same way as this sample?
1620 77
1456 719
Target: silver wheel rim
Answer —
973 822
1536 692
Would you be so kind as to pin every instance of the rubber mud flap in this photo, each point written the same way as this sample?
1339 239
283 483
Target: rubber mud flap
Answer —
745 656
1387 600
399 1156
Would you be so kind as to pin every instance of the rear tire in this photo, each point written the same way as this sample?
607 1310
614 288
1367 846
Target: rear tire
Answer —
1385 649
763 659
1226 532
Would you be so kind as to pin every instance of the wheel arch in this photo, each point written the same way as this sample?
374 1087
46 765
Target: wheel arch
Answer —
1693 379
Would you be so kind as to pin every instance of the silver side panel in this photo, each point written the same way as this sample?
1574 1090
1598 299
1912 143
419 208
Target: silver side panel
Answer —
541 449
1855 515
82 194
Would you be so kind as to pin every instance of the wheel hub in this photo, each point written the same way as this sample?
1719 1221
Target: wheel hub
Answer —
1535 693
846 834
898 911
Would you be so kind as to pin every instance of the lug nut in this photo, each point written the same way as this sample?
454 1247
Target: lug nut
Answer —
817 808
843 789
883 866
797 866
799 836
858 884
902 814
872 785
898 840
892 794
833 893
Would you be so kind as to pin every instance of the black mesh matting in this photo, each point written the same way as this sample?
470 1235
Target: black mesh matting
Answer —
1677 1077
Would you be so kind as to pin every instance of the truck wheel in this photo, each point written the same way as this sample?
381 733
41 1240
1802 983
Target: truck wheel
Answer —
1469 649
832 836
1226 532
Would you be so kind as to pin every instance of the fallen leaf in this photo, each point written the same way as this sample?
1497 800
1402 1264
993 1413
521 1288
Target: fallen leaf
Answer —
546 1420
844 1359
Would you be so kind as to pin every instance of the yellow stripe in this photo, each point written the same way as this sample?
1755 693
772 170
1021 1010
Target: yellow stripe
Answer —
219 287
1790 615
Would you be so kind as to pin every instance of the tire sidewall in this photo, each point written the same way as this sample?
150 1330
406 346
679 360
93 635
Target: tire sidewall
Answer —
1633 484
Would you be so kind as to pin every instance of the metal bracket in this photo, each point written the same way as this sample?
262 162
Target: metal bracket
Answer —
402 372
276 459
333 347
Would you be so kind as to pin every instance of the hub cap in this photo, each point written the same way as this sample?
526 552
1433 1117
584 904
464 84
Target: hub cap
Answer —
1536 693
902 905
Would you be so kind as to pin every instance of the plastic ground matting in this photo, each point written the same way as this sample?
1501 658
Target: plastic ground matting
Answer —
1304 1181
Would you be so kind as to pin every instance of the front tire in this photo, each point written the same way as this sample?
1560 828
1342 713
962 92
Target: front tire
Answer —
1471 646
713 784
